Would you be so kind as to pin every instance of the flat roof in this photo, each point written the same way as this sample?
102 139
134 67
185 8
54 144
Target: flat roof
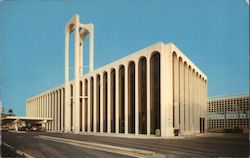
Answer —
231 96
26 118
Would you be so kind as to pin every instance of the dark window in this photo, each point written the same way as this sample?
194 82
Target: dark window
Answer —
131 98
142 95
155 92
98 103
121 99
105 97
112 107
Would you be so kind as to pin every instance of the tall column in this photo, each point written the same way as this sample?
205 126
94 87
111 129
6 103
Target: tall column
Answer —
47 106
58 110
53 111
48 114
40 106
186 113
126 97
67 86
109 101
94 102
36 109
62 109
43 106
47 111
193 101
200 101
206 117
204 107
74 25
166 89
36 105
81 55
190 129
91 48
136 100
50 111
196 104
89 86
77 77
101 103
32 108
83 106
181 92
176 93
148 96
117 100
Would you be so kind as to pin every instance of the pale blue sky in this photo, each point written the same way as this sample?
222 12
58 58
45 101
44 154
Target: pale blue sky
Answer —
214 34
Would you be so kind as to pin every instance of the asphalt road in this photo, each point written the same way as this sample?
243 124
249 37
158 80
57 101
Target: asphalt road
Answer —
39 148
209 145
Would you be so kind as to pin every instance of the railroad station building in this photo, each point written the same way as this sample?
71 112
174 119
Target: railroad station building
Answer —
156 90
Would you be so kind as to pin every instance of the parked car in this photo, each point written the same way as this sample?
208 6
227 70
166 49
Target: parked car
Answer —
35 128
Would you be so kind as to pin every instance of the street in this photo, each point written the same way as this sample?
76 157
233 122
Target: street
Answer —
39 148
209 145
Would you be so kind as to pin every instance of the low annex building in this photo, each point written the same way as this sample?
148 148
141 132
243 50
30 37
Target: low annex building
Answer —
154 90
229 112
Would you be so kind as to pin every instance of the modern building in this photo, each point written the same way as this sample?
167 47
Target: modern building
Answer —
229 112
154 90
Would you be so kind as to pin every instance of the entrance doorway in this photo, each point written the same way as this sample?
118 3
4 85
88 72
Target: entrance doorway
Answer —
202 125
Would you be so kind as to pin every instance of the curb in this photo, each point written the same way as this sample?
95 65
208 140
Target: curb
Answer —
104 147
18 151
129 136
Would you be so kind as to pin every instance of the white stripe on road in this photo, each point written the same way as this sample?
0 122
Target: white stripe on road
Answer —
18 151
104 147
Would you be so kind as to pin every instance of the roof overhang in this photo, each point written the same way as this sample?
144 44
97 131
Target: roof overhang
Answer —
27 118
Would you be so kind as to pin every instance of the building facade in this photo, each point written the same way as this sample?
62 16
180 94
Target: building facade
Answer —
156 88
229 112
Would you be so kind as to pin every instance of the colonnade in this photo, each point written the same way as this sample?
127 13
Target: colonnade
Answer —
49 105
115 100
152 89
190 98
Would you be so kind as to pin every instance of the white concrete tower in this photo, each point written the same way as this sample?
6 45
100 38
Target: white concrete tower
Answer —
81 31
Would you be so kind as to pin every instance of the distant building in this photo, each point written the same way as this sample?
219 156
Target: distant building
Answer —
228 112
